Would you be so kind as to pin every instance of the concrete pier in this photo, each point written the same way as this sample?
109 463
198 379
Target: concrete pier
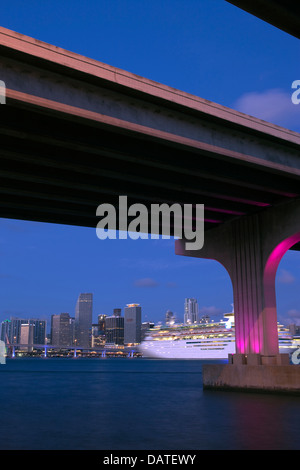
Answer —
253 374
250 249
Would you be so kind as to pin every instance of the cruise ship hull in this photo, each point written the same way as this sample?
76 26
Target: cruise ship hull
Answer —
183 349
191 349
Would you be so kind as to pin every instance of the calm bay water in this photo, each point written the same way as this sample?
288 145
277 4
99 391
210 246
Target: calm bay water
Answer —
113 404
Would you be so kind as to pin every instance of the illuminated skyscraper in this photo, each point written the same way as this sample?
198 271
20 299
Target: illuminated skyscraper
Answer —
101 324
15 329
6 331
61 330
98 331
170 318
190 311
132 324
114 328
39 331
11 330
83 320
26 336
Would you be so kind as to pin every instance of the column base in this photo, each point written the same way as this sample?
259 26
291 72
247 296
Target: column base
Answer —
253 373
259 359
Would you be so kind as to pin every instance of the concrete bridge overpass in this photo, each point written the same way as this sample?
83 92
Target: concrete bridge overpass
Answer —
76 133
283 14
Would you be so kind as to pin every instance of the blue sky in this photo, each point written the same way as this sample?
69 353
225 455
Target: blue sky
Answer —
205 47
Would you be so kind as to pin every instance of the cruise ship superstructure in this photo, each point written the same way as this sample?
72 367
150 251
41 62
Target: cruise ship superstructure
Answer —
211 340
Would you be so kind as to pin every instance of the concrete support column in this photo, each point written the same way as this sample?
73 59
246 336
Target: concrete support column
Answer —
246 272
250 248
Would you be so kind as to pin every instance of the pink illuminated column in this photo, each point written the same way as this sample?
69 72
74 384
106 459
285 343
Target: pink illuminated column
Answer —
246 273
253 272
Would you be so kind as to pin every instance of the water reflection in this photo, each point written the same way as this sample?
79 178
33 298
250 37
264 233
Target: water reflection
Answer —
135 404
256 421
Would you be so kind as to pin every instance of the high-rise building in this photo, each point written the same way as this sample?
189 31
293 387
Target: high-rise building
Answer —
170 318
61 330
5 331
190 311
114 328
11 330
132 324
101 324
72 330
98 332
83 320
26 337
15 330
39 331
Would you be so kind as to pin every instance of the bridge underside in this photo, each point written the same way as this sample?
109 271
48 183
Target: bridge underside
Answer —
58 168
76 133
283 14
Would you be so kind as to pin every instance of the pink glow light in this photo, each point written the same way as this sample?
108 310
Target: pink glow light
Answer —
270 292
249 338
224 211
277 254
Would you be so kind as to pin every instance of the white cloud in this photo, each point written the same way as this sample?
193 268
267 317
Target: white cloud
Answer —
285 277
172 285
293 313
161 264
274 105
292 316
212 310
146 282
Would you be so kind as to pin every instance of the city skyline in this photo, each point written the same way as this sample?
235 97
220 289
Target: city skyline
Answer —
190 314
224 55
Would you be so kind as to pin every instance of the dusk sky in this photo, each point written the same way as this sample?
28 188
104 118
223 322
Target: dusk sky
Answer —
208 48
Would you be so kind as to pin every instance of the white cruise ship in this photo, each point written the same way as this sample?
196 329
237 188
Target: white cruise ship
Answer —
213 340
